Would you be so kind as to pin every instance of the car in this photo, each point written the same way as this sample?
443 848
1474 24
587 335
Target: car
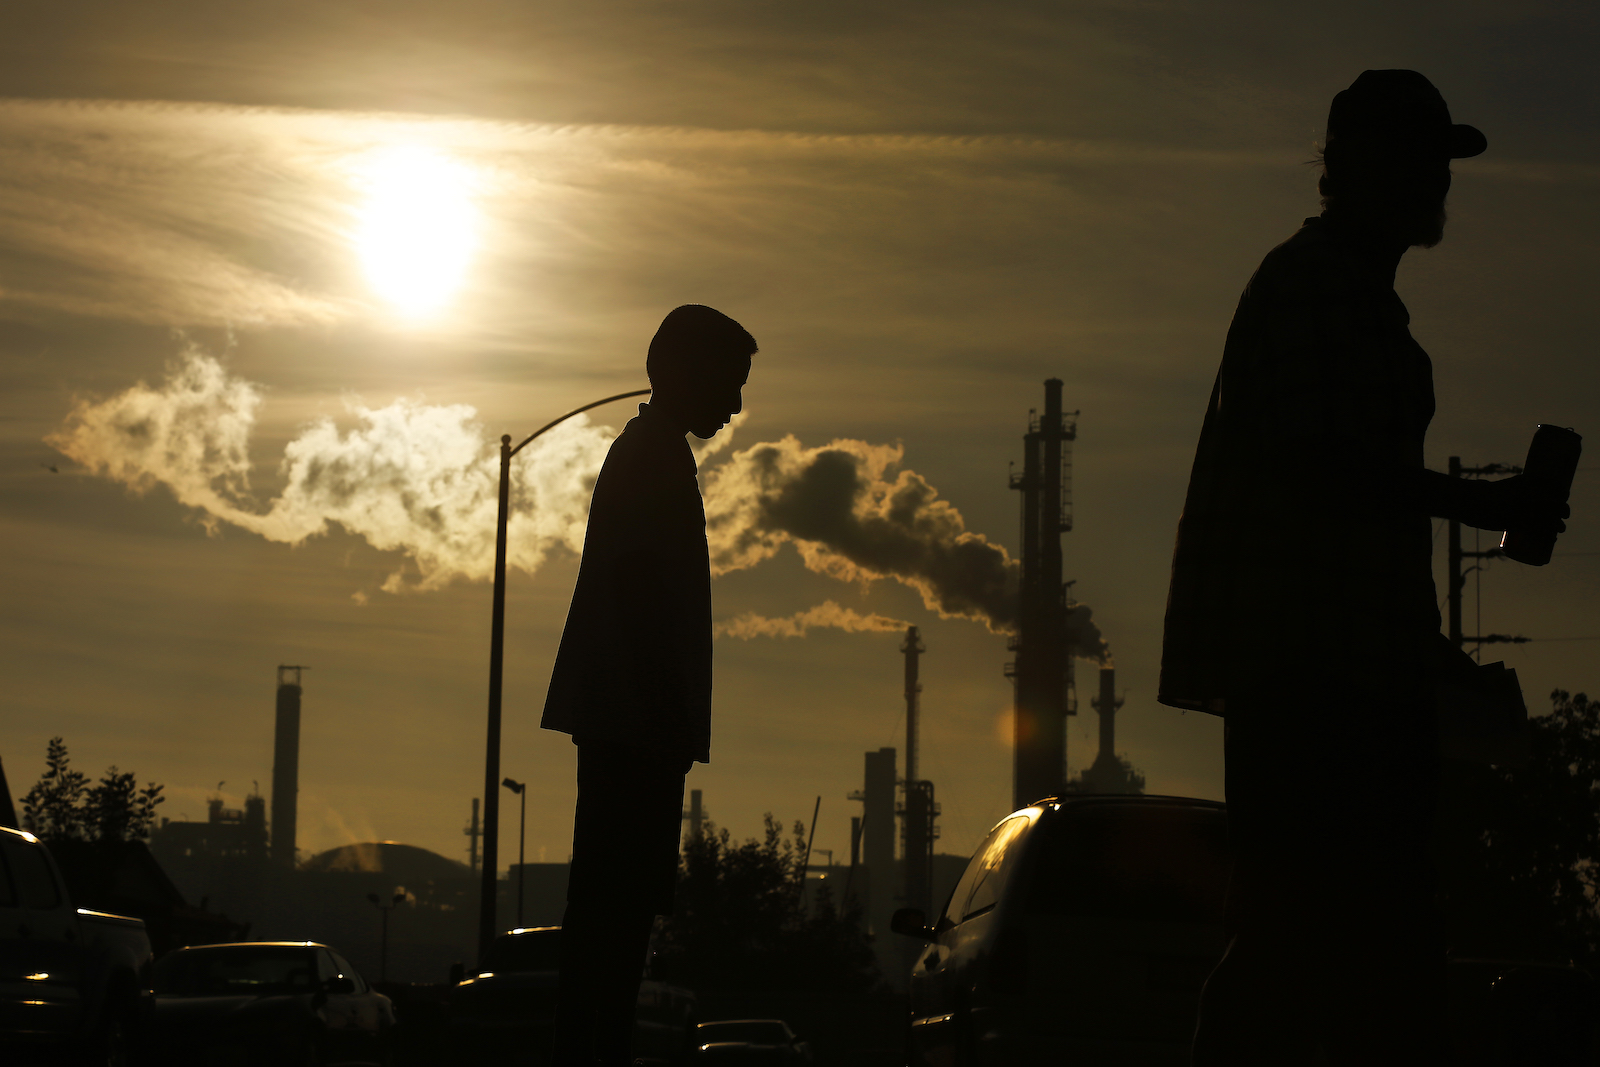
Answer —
1081 932
749 1041
70 978
508 1006
265 1004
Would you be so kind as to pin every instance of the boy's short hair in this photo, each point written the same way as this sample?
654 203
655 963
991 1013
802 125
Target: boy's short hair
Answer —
691 340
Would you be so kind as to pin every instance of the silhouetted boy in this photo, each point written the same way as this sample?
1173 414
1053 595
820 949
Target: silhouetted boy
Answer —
632 679
1302 608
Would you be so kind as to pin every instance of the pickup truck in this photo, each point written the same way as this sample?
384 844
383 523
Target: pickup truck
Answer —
70 979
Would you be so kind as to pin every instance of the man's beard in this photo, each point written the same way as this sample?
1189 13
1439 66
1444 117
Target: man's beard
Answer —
1417 224
1426 228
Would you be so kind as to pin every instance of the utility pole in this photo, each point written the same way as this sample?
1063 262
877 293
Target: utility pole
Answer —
473 832
1457 578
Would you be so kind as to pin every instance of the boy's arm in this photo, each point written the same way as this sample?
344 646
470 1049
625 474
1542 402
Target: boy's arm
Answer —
644 601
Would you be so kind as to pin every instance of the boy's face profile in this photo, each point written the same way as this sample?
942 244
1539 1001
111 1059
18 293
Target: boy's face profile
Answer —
698 363
715 396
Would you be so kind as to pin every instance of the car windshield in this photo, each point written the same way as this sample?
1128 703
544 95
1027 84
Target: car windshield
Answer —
237 970
1147 862
531 950
754 1031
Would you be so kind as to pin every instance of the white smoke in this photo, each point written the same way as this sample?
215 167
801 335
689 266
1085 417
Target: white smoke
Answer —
414 478
828 613
421 480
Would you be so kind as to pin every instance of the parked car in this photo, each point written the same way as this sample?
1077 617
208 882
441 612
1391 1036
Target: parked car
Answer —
70 979
266 1003
508 1006
1081 932
750 1041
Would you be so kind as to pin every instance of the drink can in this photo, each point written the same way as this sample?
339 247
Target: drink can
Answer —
1552 460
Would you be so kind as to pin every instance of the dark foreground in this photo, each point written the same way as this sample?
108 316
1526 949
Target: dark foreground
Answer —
841 1032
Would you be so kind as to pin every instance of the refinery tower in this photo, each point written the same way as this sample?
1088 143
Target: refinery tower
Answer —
1042 668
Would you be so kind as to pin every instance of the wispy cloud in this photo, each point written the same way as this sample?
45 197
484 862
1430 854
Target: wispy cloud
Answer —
213 215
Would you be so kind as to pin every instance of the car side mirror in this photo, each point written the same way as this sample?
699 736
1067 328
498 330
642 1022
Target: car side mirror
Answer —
911 923
340 985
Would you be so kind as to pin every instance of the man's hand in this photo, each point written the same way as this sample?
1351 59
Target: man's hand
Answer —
1517 502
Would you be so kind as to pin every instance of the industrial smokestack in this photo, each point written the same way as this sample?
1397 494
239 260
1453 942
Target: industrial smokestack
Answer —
918 809
697 815
8 810
1107 706
877 836
1044 648
286 765
913 648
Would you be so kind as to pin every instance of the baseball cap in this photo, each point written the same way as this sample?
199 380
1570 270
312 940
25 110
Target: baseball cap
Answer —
1399 112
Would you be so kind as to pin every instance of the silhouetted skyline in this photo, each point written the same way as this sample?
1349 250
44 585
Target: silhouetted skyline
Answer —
1074 195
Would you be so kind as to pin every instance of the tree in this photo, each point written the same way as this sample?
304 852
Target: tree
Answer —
739 922
63 806
1520 849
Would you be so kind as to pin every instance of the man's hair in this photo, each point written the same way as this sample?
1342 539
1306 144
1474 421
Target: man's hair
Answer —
693 339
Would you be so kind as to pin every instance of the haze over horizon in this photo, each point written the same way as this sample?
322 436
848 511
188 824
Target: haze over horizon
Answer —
271 285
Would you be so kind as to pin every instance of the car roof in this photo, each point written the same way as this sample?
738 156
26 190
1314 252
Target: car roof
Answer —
255 944
1070 801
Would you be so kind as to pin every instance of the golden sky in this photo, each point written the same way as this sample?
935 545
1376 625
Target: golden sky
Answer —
272 281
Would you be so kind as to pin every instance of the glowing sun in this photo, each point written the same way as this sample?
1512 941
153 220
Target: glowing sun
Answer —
417 228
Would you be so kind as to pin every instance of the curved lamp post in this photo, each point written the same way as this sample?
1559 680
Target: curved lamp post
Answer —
521 789
497 636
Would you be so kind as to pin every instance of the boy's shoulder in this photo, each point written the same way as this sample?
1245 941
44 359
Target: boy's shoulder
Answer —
649 466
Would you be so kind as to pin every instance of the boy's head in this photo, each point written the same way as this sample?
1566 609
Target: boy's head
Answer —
698 363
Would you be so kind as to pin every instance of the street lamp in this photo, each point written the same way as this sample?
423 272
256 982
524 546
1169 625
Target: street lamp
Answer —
383 947
497 636
521 789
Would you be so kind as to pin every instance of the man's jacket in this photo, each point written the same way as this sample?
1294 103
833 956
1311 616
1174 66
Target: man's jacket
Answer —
634 666
1303 558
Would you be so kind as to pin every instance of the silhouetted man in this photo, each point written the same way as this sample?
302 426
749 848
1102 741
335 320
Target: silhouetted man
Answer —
1302 609
632 679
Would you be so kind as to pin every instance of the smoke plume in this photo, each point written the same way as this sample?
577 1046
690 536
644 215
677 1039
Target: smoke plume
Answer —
828 613
415 478
420 480
852 518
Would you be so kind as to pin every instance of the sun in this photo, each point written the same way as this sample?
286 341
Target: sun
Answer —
417 227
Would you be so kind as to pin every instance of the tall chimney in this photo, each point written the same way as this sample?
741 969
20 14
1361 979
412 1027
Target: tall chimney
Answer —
697 814
913 648
8 810
286 766
877 833
917 812
1042 670
1107 706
